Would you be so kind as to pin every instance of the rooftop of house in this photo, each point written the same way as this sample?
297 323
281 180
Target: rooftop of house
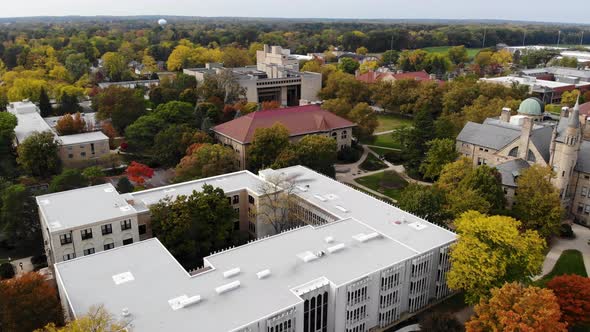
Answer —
82 207
299 120
87 137
527 80
511 170
370 235
373 76
560 71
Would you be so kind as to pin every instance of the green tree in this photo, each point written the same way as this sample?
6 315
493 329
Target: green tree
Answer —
537 203
123 106
569 98
140 134
348 65
45 104
206 160
266 146
94 174
191 227
413 140
77 65
124 185
424 201
235 57
412 60
436 63
18 218
366 120
96 319
440 322
488 182
440 152
115 65
38 155
338 106
491 251
389 57
345 86
458 55
171 144
7 160
318 153
68 179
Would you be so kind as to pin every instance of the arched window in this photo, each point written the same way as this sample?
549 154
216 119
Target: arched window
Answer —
513 152
531 156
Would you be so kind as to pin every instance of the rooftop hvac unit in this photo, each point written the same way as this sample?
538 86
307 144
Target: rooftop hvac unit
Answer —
263 274
329 239
231 273
336 248
307 256
227 287
362 237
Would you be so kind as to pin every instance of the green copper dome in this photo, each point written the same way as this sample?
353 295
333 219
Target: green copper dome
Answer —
531 106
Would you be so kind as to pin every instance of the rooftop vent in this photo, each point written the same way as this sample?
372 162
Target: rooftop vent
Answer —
329 239
320 198
341 208
362 237
307 256
125 208
231 273
336 248
331 197
183 301
263 274
417 225
125 312
227 287
122 278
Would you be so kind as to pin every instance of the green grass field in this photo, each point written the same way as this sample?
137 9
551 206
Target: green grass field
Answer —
391 122
372 163
471 52
389 183
570 262
385 141
368 192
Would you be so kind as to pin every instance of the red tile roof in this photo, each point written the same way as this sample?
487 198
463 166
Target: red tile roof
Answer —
299 120
372 76
585 109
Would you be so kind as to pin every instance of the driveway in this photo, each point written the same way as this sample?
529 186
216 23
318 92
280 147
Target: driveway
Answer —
580 243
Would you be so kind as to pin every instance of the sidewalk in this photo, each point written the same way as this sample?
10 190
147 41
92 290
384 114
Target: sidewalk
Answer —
27 266
580 243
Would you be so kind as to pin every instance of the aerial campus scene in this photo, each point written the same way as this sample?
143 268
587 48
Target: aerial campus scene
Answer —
310 166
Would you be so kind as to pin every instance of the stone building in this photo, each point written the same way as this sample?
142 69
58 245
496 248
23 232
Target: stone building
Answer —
513 143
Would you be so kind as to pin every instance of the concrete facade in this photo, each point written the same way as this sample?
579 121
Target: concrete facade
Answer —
276 77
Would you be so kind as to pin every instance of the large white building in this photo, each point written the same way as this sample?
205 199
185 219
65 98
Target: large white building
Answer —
276 77
360 264
82 149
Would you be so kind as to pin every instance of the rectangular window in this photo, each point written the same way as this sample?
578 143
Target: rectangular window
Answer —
251 199
142 229
109 246
92 148
65 238
70 156
83 154
125 224
106 229
88 251
127 241
580 208
587 209
584 191
86 234
236 199
67 257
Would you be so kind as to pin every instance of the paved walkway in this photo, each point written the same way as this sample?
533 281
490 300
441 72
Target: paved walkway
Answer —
559 245
27 266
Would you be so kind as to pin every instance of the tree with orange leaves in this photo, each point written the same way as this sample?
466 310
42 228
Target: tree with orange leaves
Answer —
138 172
515 308
70 125
28 303
270 105
573 296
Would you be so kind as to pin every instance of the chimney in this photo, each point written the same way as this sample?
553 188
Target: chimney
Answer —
525 137
564 112
505 116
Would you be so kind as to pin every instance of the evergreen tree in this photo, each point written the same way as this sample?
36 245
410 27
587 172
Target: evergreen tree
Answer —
124 185
45 104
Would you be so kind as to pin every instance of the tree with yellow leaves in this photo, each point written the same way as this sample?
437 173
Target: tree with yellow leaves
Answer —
368 66
491 251
97 319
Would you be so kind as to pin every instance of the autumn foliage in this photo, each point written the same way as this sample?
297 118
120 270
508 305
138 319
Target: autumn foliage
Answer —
69 125
573 296
270 105
515 308
28 303
138 172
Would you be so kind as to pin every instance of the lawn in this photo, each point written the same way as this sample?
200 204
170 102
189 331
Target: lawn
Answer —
471 52
570 262
372 163
389 183
368 192
380 151
391 122
385 141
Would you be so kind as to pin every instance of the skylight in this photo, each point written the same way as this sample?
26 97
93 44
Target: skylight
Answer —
122 278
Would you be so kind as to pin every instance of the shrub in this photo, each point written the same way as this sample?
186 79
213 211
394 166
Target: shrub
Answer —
566 231
349 155
6 271
39 262
372 163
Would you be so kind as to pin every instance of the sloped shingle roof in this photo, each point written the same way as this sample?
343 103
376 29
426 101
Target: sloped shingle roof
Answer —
299 120
510 170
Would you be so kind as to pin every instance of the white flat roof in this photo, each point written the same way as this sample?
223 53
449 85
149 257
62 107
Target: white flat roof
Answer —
28 124
91 136
526 81
85 206
158 278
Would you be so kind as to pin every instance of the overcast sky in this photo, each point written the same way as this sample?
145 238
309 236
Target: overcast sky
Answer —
528 10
